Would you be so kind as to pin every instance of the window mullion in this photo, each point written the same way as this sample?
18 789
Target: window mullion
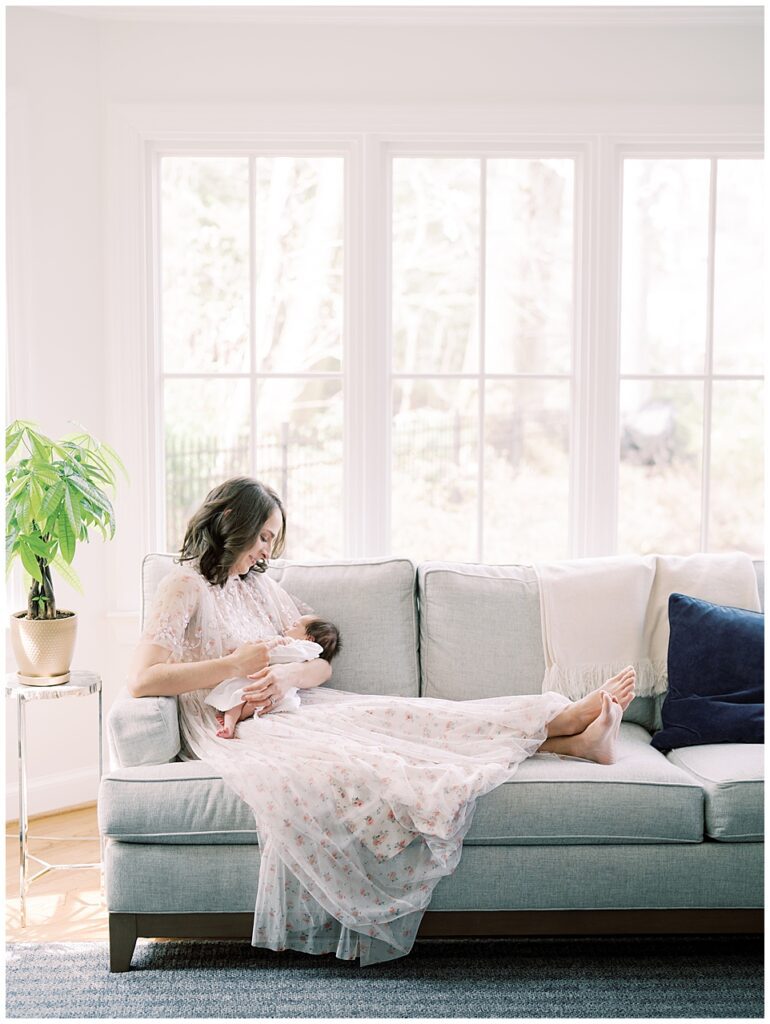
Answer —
709 367
482 300
596 354
373 402
253 447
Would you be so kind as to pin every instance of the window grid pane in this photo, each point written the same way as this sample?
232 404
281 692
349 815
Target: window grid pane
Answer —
449 481
661 406
273 263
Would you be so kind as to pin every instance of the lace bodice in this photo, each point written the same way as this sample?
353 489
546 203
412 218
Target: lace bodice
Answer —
196 620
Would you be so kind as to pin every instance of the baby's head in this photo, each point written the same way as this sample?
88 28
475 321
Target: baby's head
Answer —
320 631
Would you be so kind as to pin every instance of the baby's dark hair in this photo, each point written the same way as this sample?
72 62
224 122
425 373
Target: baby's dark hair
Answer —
325 633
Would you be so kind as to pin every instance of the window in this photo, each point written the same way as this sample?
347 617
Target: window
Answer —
458 384
691 356
251 335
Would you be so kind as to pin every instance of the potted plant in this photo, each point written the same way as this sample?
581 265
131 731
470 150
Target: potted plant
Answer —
54 493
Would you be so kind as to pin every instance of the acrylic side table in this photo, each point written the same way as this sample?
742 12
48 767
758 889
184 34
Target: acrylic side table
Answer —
81 684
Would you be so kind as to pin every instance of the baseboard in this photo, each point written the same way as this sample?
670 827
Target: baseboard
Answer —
53 793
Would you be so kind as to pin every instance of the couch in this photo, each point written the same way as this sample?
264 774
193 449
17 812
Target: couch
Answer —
651 844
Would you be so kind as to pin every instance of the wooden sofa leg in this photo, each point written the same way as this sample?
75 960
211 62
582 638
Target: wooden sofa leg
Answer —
122 941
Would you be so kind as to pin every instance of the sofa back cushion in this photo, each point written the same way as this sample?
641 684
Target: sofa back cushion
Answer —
373 604
371 601
479 630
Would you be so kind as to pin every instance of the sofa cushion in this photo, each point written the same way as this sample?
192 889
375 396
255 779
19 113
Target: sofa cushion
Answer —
372 602
732 778
642 798
181 802
716 657
555 799
480 634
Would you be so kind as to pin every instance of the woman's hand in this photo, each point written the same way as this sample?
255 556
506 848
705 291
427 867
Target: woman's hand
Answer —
250 658
270 682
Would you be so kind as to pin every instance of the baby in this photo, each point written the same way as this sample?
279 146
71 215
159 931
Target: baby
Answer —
310 637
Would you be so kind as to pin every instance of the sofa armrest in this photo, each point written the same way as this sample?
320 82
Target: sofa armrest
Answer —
142 730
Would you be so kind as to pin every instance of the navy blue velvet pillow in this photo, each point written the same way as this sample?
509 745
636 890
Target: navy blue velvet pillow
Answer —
716 660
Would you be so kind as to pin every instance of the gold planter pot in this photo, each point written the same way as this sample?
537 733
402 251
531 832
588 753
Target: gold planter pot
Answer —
43 648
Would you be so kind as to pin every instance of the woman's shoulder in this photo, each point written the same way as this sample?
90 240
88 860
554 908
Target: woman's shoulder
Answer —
184 576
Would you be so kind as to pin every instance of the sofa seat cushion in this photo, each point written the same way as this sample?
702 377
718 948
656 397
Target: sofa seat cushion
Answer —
642 798
181 802
732 778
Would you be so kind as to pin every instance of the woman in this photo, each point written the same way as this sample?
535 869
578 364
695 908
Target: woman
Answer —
361 802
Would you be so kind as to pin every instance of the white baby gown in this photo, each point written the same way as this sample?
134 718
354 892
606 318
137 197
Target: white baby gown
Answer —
361 802
229 693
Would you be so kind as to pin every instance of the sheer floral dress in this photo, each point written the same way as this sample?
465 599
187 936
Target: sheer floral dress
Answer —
361 802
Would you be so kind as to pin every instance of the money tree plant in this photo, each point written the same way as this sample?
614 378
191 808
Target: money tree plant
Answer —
55 491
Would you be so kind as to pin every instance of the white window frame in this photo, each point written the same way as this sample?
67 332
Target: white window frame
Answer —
367 377
601 132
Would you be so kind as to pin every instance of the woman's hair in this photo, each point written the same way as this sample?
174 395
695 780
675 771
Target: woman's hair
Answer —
327 635
227 524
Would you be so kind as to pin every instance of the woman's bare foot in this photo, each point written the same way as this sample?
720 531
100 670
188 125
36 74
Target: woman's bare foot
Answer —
597 741
581 713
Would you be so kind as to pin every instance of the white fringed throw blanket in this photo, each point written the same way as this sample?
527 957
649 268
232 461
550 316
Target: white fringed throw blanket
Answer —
600 614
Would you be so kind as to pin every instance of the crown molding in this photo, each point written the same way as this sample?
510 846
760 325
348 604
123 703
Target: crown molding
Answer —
439 16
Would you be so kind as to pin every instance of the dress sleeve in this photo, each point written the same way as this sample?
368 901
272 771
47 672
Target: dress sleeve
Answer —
173 605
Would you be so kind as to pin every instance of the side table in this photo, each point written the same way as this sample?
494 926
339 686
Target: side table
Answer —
81 684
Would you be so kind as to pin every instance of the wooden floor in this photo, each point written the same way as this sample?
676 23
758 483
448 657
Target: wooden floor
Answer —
62 906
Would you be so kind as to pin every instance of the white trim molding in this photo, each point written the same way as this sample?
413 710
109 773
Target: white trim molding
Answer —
433 16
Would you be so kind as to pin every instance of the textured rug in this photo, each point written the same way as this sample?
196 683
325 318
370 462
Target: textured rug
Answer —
650 976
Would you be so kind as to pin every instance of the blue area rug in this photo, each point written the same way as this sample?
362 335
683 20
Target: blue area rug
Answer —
650 976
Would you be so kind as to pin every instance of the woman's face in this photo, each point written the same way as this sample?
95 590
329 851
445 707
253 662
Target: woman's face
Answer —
262 547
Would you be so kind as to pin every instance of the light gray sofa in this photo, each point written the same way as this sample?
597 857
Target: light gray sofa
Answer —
652 843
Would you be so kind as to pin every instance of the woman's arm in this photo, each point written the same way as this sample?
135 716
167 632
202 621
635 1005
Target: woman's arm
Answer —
275 680
153 676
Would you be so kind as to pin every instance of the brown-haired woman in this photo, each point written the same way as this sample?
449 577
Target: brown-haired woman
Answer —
361 801
210 611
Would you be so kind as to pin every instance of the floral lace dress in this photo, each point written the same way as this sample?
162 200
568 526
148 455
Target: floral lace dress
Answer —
361 802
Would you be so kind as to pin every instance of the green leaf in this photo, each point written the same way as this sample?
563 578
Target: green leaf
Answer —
45 473
66 536
52 499
35 498
39 446
29 561
68 509
12 442
99 498
39 547
18 487
67 573
24 512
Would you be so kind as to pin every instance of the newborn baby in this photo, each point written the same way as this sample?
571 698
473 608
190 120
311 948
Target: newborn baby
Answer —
310 637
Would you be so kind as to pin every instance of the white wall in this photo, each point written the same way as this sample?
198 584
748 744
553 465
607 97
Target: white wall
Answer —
56 357
68 74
